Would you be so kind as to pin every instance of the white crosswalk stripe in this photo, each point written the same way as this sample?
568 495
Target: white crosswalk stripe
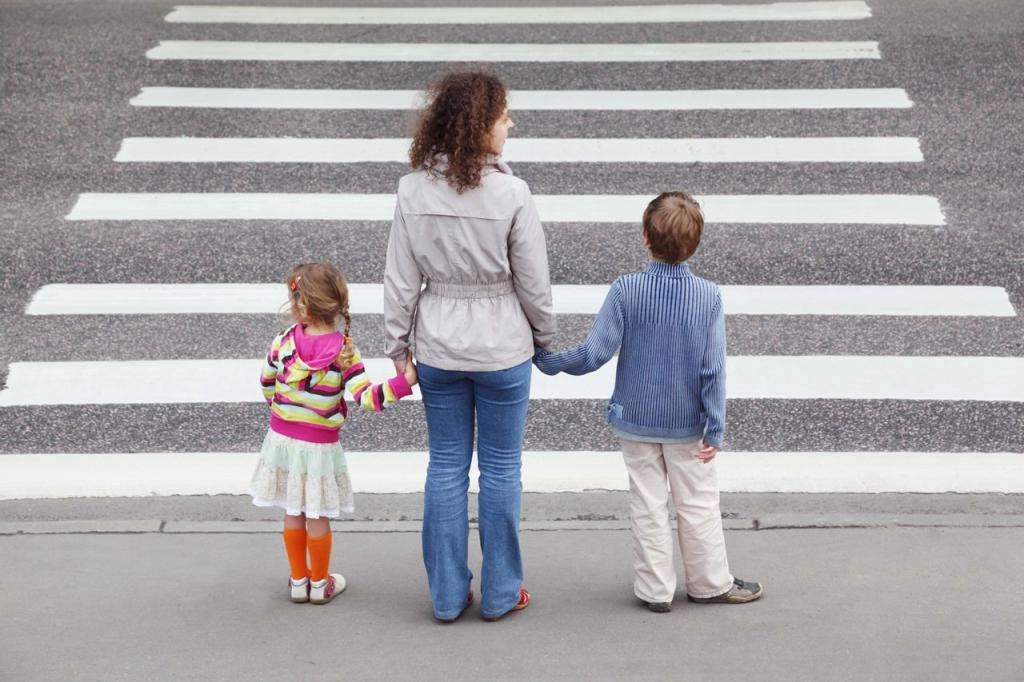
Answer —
531 100
225 50
965 382
783 377
602 14
821 209
569 299
533 150
28 476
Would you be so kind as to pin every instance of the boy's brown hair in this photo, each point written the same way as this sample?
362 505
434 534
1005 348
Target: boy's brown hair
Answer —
673 225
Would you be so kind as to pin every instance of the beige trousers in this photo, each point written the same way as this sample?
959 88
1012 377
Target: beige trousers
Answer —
653 467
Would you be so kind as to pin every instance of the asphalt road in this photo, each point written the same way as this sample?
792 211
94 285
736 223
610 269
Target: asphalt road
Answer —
70 70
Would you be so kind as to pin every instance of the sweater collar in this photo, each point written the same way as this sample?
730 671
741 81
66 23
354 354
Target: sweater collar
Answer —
662 269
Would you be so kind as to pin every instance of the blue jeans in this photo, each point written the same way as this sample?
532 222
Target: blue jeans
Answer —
499 401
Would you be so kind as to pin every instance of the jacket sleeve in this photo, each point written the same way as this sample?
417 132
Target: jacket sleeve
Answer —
712 377
268 374
602 342
368 395
402 283
528 260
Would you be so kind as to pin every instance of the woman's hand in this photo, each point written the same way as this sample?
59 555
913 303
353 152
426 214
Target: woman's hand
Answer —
409 371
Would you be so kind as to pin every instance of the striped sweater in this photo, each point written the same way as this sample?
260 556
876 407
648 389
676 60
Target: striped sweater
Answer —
669 330
307 401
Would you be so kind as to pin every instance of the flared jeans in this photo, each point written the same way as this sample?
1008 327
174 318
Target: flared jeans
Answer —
458 404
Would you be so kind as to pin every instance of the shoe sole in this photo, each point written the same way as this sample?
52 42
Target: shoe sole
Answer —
730 600
495 619
517 607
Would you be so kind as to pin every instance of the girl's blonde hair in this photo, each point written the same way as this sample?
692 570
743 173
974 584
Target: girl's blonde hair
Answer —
318 291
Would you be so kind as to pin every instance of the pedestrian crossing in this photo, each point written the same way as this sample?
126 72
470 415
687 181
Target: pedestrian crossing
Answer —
143 474
771 209
531 100
782 377
508 53
601 14
813 385
529 150
568 299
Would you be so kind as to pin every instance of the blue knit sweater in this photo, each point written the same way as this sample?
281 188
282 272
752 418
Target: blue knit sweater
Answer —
669 330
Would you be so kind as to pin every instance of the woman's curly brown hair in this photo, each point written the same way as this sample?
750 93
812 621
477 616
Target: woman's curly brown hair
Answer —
462 108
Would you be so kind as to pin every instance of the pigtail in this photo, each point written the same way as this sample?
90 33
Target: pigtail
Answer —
348 322
348 351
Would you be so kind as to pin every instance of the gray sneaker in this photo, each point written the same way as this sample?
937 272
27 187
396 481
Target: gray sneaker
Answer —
740 593
657 606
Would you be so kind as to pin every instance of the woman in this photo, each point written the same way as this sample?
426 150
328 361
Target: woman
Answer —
467 266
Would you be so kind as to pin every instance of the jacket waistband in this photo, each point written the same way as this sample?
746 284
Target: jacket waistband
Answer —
481 290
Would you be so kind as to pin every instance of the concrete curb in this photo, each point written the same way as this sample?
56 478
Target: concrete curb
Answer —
787 521
766 522
79 526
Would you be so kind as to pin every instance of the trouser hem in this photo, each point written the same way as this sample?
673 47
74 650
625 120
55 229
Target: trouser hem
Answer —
652 600
709 595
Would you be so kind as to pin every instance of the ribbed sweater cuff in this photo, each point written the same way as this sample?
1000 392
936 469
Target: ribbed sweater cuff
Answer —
399 386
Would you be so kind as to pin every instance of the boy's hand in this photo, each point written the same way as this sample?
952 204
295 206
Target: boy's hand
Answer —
707 454
410 373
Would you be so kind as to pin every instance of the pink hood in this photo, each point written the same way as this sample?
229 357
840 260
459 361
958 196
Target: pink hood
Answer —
317 352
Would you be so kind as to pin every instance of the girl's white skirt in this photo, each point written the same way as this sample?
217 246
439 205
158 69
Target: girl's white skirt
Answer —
302 477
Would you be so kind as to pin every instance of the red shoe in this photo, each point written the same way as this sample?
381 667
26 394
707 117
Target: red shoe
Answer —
469 602
524 601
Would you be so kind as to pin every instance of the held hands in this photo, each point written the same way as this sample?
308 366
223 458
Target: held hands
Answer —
707 454
408 370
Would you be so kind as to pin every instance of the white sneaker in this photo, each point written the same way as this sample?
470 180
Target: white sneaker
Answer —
323 591
300 590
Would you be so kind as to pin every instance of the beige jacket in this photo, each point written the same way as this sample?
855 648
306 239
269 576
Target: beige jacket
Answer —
469 271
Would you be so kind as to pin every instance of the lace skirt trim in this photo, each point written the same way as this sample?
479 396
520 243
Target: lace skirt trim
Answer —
302 478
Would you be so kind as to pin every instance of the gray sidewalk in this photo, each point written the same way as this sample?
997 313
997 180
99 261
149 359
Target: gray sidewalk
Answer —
887 603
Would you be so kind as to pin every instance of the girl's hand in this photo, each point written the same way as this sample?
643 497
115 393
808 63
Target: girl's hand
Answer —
707 454
410 373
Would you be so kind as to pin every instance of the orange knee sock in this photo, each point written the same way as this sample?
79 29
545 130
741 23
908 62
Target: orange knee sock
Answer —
295 545
319 556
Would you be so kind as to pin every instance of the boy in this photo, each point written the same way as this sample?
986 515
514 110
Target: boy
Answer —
668 407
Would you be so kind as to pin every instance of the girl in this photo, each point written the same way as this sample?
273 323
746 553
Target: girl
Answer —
302 466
